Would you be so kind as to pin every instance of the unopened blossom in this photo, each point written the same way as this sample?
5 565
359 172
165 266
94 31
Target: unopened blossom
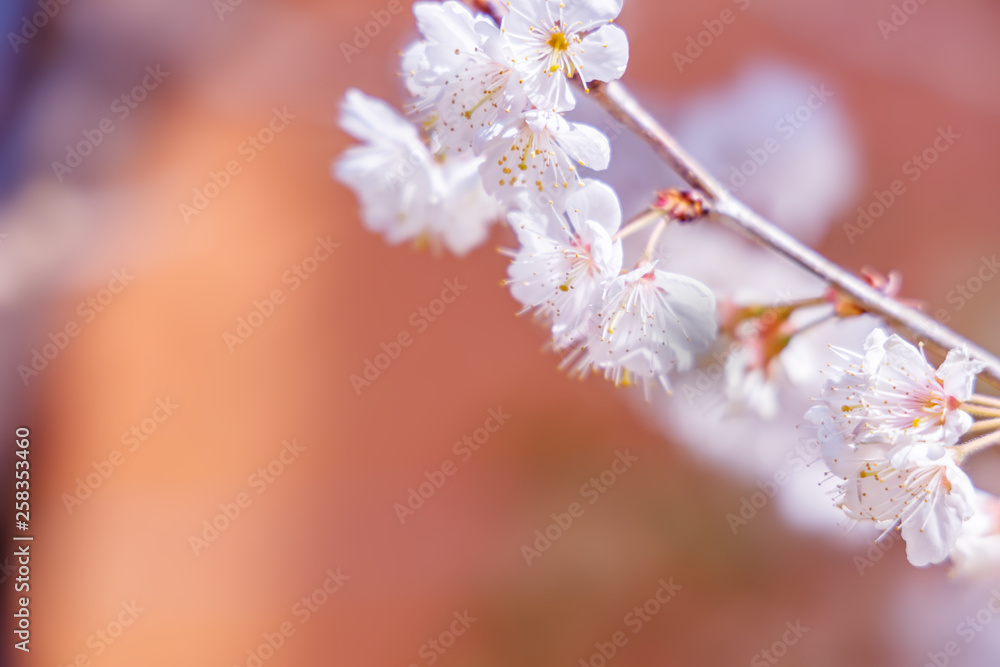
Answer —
888 285
542 153
927 497
652 324
406 192
892 392
461 73
554 41
567 259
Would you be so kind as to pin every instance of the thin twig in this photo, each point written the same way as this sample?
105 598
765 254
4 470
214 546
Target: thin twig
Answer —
654 238
984 425
639 223
912 324
970 447
991 401
979 410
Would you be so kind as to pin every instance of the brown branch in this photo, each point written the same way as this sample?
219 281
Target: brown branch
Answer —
911 324
914 325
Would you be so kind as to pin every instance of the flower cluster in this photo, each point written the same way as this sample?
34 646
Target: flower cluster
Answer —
486 137
490 139
408 192
890 425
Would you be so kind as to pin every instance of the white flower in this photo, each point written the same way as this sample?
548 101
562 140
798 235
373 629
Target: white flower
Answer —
541 153
977 551
751 382
390 172
464 212
766 354
407 193
567 259
701 414
461 73
929 498
652 323
885 425
892 393
555 40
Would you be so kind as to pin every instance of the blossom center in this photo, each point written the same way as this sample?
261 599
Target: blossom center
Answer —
558 41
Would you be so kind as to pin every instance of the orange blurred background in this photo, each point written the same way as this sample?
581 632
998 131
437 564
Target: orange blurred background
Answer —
164 414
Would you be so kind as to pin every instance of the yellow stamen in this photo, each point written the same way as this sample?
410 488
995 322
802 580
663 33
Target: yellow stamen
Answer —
558 41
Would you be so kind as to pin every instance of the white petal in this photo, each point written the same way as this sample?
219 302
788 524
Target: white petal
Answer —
605 54
599 10
934 528
548 90
447 23
588 146
370 119
597 202
958 372
693 306
903 356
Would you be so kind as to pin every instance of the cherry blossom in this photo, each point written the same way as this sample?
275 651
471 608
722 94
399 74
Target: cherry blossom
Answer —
461 73
566 260
928 497
977 550
892 392
489 140
543 153
652 324
553 41
406 192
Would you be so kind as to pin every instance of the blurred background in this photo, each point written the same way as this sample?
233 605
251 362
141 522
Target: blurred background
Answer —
185 294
